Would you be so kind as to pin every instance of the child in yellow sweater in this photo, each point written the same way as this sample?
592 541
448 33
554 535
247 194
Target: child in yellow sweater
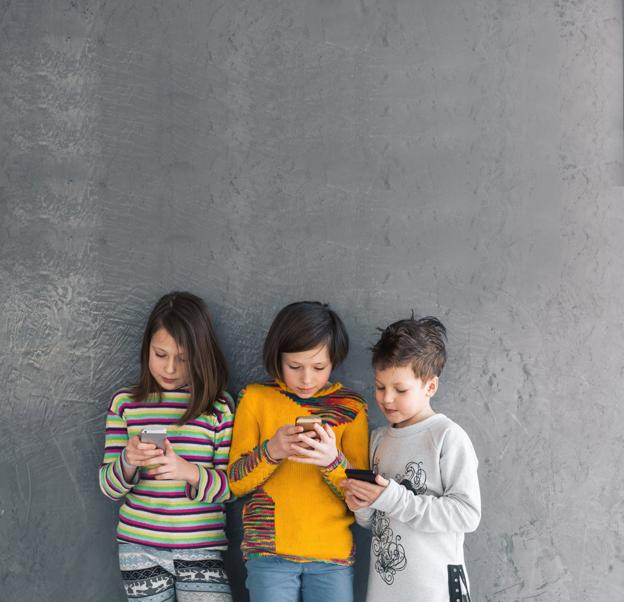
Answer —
297 538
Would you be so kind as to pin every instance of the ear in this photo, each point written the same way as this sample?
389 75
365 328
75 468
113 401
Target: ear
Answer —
431 386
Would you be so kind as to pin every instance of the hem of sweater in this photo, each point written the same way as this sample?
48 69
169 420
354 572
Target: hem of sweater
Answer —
299 559
220 545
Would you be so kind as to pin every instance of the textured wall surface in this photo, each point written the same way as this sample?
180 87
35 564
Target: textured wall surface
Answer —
463 159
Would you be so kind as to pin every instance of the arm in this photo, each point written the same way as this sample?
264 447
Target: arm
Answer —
116 476
324 453
250 465
213 485
458 509
363 514
354 453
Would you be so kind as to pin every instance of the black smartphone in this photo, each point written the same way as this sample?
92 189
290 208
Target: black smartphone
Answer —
361 475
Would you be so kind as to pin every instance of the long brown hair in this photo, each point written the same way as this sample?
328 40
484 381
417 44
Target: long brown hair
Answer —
185 317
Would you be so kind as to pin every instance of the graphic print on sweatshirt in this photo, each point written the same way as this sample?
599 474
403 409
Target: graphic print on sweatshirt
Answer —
387 546
414 478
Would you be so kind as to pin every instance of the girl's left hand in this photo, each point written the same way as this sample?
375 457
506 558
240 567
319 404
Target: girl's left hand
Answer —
172 467
321 451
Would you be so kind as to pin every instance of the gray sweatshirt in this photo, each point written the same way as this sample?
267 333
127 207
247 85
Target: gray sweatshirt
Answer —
419 520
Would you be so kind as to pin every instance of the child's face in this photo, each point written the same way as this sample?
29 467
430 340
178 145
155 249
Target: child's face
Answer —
167 361
306 372
403 398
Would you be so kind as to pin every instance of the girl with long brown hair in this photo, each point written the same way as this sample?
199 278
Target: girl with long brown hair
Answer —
166 453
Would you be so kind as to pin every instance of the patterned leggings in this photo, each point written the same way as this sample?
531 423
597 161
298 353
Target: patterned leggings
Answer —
164 575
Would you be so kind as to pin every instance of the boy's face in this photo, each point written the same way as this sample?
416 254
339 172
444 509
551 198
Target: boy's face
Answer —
306 372
403 398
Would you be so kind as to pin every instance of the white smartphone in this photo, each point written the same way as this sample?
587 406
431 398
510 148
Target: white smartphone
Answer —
155 435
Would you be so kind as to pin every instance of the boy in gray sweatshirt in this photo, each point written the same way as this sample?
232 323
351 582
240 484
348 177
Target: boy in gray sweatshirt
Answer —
426 492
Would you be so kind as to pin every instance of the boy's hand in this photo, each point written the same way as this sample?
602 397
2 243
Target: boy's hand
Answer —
171 467
353 503
360 494
321 451
281 444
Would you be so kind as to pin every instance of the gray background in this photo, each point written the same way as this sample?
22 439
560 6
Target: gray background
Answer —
463 159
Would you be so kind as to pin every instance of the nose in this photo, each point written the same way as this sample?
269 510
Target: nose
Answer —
306 377
387 397
170 366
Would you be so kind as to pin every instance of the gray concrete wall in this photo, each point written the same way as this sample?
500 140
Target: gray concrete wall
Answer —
462 159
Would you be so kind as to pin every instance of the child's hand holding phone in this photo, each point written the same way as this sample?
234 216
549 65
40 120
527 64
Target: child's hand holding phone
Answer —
320 450
308 422
171 467
280 445
138 453
141 453
361 494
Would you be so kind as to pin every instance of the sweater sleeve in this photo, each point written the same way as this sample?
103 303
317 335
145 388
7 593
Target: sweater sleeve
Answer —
457 510
250 464
354 453
112 481
213 484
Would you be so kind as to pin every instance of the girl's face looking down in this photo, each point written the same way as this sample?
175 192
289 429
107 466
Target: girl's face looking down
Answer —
306 372
167 362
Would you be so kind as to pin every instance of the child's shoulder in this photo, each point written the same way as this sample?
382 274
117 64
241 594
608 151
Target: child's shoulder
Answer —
257 390
260 387
444 424
449 433
224 404
120 398
355 398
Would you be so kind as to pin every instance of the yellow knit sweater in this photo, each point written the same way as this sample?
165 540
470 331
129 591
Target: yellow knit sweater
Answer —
296 510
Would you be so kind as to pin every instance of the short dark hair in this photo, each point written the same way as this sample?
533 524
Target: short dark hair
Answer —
303 326
416 342
185 317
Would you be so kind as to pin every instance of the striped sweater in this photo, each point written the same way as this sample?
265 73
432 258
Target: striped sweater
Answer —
296 511
161 513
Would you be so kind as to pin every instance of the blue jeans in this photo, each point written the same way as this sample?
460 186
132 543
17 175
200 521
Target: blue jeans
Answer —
273 579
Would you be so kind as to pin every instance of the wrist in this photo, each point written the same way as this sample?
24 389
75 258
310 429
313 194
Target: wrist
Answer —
124 459
334 463
192 475
270 454
383 500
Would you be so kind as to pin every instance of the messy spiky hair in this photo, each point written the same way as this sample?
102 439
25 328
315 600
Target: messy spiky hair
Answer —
419 343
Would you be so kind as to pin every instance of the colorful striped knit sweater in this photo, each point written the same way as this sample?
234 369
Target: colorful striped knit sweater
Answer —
170 514
296 511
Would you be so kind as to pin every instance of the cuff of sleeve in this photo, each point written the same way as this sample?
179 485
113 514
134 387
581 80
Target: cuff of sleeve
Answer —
121 462
363 516
265 453
340 460
387 497
197 494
